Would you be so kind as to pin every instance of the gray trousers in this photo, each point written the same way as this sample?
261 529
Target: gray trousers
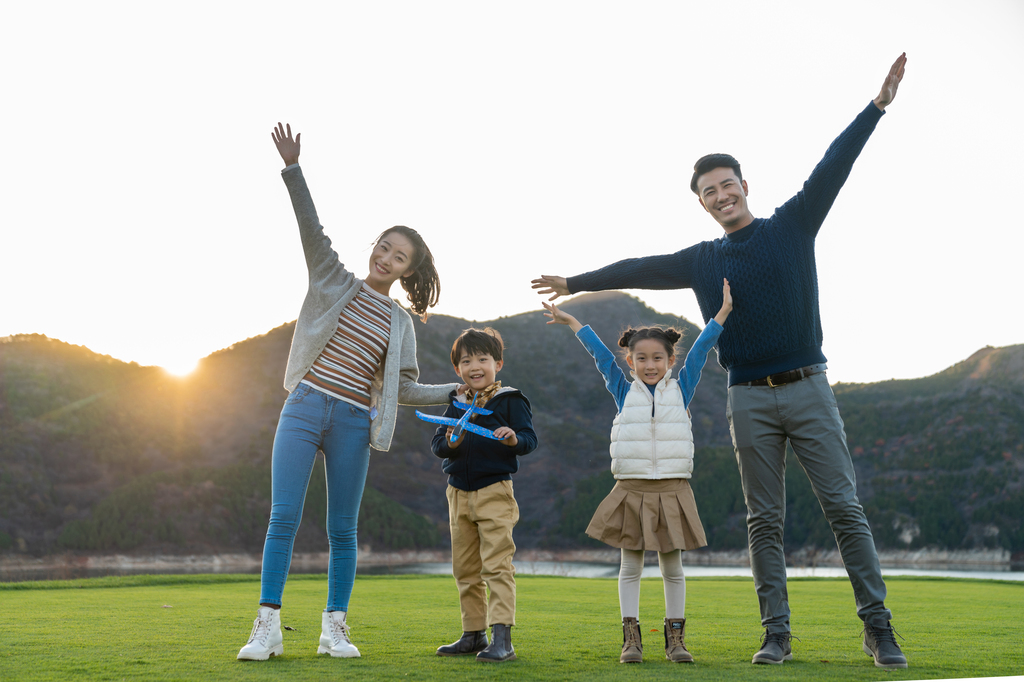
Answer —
761 420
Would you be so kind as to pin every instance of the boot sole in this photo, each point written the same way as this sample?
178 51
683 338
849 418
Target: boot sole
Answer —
276 651
461 653
337 654
884 666
771 661
496 660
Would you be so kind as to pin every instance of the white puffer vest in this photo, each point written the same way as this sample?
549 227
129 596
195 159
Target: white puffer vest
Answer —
658 446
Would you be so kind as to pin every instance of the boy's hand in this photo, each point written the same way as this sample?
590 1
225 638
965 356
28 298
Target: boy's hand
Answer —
507 435
551 284
559 317
726 303
448 438
286 146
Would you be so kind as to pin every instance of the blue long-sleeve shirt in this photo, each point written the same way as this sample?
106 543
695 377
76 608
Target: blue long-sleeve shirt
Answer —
770 264
618 384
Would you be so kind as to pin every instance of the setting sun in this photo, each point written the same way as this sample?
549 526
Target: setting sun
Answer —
180 367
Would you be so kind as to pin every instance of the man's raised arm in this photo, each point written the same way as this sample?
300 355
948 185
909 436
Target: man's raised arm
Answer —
811 204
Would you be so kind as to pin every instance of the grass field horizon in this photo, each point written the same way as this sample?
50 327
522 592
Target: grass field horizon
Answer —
180 627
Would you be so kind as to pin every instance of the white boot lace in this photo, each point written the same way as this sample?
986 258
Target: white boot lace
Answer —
260 630
339 631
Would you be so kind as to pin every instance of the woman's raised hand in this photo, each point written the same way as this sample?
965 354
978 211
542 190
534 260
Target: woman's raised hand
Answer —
286 146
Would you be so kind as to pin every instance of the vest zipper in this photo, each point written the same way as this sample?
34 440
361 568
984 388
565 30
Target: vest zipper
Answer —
654 437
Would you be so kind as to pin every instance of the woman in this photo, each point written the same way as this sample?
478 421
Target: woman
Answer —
352 360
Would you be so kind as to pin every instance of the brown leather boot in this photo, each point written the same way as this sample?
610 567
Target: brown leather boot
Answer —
632 643
675 633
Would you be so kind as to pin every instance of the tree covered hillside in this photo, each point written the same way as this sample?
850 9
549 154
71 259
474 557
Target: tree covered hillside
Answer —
101 455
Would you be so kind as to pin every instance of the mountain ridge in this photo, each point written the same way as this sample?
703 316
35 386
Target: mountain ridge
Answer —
95 450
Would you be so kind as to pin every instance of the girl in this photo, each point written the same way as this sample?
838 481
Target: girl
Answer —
651 506
352 360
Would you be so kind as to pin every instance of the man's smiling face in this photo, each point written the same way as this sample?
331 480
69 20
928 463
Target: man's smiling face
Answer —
724 196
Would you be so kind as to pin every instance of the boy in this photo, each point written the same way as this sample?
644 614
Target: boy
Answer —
481 508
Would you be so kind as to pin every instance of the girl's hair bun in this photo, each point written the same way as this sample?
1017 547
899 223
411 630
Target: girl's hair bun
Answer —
669 336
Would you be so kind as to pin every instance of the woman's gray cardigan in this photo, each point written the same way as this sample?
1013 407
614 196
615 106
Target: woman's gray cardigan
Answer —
331 287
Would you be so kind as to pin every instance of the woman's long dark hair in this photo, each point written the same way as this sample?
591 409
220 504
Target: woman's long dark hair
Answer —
423 286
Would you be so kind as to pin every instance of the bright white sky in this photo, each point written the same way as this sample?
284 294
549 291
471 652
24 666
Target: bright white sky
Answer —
143 214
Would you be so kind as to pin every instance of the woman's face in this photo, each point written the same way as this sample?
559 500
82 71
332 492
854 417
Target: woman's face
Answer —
391 260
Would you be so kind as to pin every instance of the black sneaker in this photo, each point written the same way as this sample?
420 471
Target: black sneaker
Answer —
880 644
775 648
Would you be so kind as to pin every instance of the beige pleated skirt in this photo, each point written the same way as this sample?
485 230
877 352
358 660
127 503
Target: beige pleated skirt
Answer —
659 515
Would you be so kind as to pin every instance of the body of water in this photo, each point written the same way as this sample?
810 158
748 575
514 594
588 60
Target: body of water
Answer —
571 569
576 569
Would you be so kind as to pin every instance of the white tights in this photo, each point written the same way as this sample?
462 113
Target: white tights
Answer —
671 564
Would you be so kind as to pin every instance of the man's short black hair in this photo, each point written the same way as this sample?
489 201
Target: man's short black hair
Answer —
477 342
709 163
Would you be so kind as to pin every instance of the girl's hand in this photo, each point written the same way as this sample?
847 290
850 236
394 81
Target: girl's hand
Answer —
726 303
559 317
286 146
507 435
462 389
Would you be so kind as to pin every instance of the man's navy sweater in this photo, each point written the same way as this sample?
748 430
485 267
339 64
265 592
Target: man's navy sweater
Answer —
478 462
775 325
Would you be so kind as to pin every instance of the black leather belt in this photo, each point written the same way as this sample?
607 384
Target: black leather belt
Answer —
789 377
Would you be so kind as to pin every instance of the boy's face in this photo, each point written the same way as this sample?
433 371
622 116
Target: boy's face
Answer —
478 371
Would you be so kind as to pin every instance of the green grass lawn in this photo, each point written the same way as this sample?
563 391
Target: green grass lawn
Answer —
191 627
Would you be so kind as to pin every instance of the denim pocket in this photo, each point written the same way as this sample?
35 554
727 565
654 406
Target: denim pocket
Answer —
298 395
359 412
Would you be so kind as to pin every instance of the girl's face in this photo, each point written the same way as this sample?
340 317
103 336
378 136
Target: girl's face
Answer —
391 260
650 361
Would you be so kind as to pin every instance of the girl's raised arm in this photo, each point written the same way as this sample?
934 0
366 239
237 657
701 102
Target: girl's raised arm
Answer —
614 380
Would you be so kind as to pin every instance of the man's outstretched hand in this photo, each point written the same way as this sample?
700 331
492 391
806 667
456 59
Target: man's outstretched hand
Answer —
551 284
892 82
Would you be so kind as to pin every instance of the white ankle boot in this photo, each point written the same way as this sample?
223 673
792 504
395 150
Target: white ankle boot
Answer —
334 636
265 640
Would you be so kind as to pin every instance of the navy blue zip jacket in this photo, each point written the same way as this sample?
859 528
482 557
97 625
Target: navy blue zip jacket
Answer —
478 462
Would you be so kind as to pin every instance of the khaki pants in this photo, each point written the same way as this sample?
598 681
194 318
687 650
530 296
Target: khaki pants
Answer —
481 523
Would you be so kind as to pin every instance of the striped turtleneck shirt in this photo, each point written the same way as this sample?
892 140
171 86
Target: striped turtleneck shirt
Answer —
347 364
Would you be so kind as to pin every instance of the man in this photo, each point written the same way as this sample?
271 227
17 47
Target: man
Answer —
777 385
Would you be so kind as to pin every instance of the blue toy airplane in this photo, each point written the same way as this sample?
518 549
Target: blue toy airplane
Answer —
461 424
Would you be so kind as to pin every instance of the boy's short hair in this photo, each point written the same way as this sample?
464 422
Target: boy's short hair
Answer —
477 342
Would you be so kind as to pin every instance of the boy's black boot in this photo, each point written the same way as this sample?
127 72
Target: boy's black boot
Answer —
500 649
632 644
469 643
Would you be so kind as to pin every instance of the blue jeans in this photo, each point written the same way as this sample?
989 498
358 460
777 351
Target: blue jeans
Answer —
312 421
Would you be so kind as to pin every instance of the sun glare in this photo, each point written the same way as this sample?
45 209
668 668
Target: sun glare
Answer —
181 367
